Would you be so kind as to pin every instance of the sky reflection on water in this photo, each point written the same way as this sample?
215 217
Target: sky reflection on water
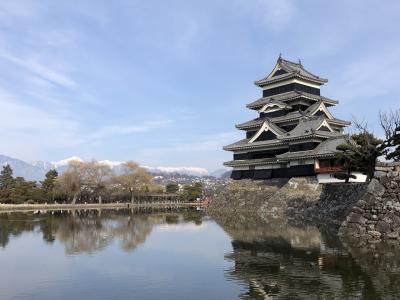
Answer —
185 255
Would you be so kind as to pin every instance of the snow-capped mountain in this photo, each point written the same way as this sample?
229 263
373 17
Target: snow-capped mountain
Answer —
44 165
65 162
36 170
23 169
181 170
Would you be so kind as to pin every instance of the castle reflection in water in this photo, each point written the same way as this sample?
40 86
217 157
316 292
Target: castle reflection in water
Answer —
271 259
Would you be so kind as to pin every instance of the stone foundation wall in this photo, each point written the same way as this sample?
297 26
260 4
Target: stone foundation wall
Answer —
291 197
376 215
333 205
299 198
244 195
370 211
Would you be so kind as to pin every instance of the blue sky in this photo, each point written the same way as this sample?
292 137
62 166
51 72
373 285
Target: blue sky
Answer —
164 82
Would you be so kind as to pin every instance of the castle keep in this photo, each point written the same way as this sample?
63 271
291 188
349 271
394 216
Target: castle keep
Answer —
294 134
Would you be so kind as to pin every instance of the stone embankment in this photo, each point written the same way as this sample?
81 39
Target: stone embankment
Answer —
300 198
376 215
370 211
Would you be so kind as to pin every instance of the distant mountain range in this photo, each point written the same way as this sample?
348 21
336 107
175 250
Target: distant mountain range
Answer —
36 170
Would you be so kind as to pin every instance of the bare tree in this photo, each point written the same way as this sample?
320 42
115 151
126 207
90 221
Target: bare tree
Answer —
134 179
96 176
71 181
390 122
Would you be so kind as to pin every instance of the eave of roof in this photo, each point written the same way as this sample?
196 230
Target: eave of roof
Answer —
267 81
339 122
324 149
287 118
244 144
288 96
247 162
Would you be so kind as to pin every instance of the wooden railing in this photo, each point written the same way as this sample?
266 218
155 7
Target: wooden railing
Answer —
328 169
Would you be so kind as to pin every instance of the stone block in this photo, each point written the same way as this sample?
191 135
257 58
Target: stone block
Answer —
358 210
383 169
361 204
392 235
374 234
383 227
387 219
354 217
375 188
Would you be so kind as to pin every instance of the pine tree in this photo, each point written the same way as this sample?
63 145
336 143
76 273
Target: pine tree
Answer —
360 155
172 188
6 177
368 150
50 181
346 158
395 155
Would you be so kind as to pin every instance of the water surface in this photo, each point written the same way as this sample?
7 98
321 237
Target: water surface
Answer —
185 255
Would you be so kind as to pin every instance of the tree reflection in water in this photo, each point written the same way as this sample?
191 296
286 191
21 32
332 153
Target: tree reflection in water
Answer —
90 231
283 260
276 258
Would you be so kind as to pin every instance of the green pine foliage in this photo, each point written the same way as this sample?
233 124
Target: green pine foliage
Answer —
347 158
368 152
17 190
6 177
395 154
172 188
360 153
192 192
50 180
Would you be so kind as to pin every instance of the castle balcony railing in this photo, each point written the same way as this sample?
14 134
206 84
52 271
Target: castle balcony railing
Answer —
329 169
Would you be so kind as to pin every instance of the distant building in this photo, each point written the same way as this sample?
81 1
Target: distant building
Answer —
295 134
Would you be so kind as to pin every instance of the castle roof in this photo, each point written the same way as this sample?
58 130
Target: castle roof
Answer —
326 148
292 116
247 162
287 70
275 104
308 127
290 96
244 144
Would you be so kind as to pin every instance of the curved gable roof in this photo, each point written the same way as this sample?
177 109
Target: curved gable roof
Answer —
291 69
268 126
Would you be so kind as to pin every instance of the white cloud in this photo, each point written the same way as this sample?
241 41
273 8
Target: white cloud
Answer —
28 131
19 116
112 130
210 143
32 65
202 144
370 75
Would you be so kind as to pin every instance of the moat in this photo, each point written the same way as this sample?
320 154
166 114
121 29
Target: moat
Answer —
186 254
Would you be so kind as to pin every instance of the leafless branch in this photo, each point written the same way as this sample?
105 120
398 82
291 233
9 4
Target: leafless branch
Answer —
360 126
390 121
